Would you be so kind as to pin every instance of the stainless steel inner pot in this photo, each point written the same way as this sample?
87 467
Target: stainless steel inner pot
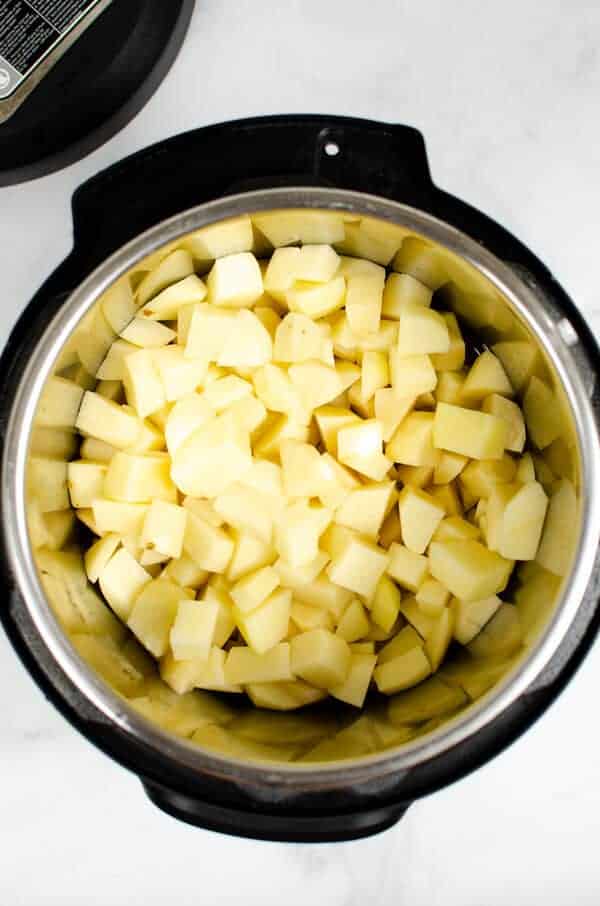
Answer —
496 300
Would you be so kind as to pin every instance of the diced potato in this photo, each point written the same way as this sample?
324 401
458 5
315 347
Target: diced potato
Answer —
59 404
193 630
481 477
209 547
211 458
406 567
97 556
267 625
268 443
297 533
454 358
147 334
235 281
391 529
449 466
85 482
364 297
422 331
153 613
188 414
246 666
542 413
115 516
179 375
520 359
244 508
316 263
556 547
183 676
423 261
207 329
302 469
331 419
433 698
432 597
416 617
283 696
420 515
307 617
372 239
354 623
360 448
515 518
473 434
486 376
512 415
299 339
204 510
164 528
320 658
118 305
439 638
402 289
412 444
391 409
172 268
139 479
112 367
365 508
359 566
354 689
525 469
309 227
107 421
385 605
249 344
315 383
471 616
403 671
468 569
121 581
165 306
254 588
317 299
249 553
411 375
218 239
449 387
374 373
501 636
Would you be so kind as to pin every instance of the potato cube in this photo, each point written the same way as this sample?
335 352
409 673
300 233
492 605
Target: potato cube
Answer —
432 597
420 515
209 547
439 638
354 623
486 376
406 567
364 298
411 375
473 434
244 666
422 331
502 408
354 267
309 227
385 605
449 466
193 629
218 596
391 409
107 421
481 477
359 566
114 516
402 289
468 569
373 239
174 267
139 479
164 528
297 533
471 616
323 593
412 443
500 637
267 625
454 359
204 510
525 469
331 419
165 306
365 508
520 359
295 577
224 238
254 588
112 367
401 643
280 274
410 609
249 344
207 331
354 689
59 404
360 448
337 482
403 671
85 482
235 281
304 472
153 613
317 263
183 676
121 581
307 617
180 376
320 658
246 509
147 334
269 440
211 458
317 299
374 373
188 414
299 339
390 530
515 518
249 553
542 413
449 387
556 549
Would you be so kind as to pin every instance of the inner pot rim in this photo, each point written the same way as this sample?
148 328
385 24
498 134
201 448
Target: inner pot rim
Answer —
543 323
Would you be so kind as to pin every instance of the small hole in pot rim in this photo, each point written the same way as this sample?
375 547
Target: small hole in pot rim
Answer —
332 149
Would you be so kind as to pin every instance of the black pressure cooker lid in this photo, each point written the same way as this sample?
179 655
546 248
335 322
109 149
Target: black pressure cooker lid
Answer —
122 51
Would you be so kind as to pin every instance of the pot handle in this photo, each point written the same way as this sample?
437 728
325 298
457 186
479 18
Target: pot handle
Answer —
263 152
282 828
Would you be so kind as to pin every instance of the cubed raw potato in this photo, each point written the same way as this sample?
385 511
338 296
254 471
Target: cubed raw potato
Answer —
454 358
107 421
97 451
171 269
354 689
359 566
250 413
412 443
299 339
246 666
501 636
207 329
364 298
320 658
164 528
420 515
235 281
480 478
193 629
468 569
372 239
354 623
249 553
86 516
187 415
439 638
355 267
557 545
210 547
249 344
254 588
303 470
502 408
298 531
402 642
148 334
283 696
542 413
54 443
150 439
51 529
218 239
295 577
365 508
97 556
274 387
391 409
330 420
449 387
93 338
139 479
520 359
335 539
433 698
323 593
269 318
403 671
151 560
432 597
211 458
269 440
308 227
144 389
385 605
118 305
473 434
280 274
422 331
59 404
218 596
179 375
411 375
85 482
410 610
448 467
115 516
317 263
486 376
112 367
360 448
152 616
183 676
471 616
406 567
515 518
525 469
317 299
204 510
121 581
338 481
400 290
315 383
165 306
267 625
307 617
423 261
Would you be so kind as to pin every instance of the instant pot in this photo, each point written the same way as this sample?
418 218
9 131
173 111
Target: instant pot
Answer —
122 218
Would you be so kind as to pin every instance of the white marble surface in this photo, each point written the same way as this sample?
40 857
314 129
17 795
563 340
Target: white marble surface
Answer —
507 96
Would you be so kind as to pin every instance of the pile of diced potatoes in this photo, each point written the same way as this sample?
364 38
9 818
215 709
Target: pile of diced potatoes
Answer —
299 482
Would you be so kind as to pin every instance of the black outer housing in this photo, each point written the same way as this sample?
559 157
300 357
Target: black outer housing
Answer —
95 89
115 206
